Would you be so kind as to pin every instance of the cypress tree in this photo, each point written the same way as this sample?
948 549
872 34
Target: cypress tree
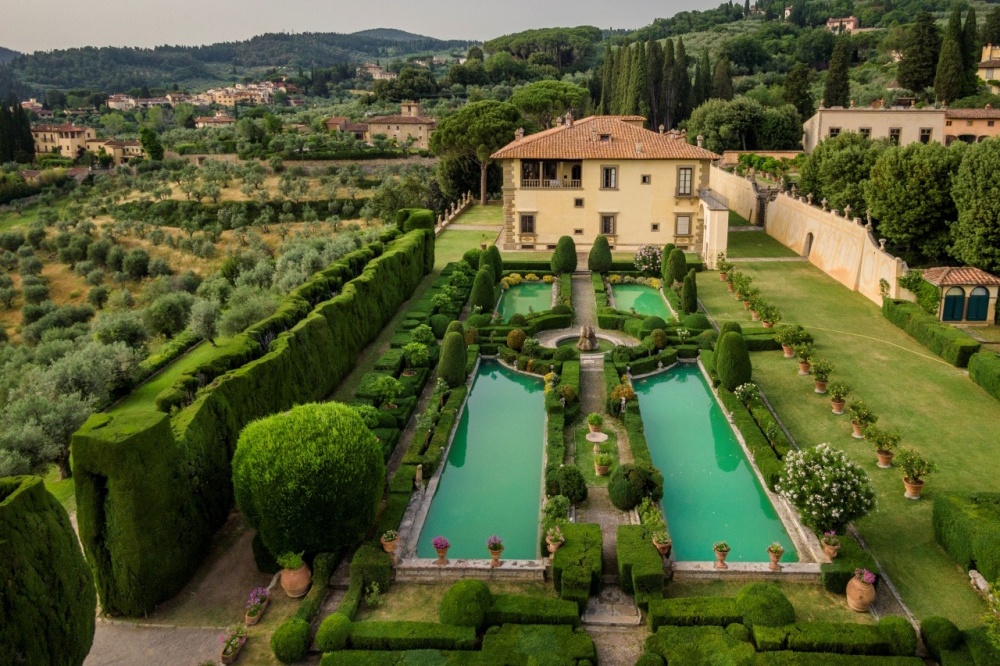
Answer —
797 91
970 53
451 368
954 29
24 142
638 93
599 259
7 134
990 34
682 85
483 292
496 261
920 56
623 77
732 361
606 79
838 89
678 265
689 293
665 263
703 80
654 81
667 84
722 80
564 256
948 81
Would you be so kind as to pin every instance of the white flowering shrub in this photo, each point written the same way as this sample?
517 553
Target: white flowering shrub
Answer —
827 488
648 259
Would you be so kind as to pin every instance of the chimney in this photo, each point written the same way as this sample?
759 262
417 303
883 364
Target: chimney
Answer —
662 128
593 133
638 147
519 134
701 140
569 118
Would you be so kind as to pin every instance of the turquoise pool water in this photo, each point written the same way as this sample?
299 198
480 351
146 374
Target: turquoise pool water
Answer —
646 300
525 298
492 480
710 492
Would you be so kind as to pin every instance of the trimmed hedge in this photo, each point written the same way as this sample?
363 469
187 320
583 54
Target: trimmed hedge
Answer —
163 482
333 633
47 601
765 605
465 604
765 456
946 341
967 525
290 641
576 567
984 369
522 644
400 635
519 609
640 567
693 611
940 635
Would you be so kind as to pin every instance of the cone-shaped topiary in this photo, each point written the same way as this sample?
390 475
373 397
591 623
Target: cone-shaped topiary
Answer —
483 292
689 293
731 326
48 599
465 604
451 367
309 479
496 261
456 327
665 266
677 263
599 259
564 256
732 361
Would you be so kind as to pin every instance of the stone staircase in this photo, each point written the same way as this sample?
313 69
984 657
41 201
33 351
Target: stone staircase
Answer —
612 607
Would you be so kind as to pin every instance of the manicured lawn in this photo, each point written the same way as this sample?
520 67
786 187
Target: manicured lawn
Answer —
755 244
482 215
737 220
584 457
420 603
935 406
62 489
453 243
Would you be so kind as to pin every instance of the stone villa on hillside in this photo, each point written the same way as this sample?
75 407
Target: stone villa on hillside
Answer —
409 124
65 140
608 175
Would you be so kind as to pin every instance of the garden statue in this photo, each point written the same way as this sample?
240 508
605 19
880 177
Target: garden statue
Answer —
418 480
588 339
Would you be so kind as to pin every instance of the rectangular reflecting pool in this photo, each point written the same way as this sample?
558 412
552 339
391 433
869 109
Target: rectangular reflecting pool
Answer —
492 480
525 298
710 491
647 301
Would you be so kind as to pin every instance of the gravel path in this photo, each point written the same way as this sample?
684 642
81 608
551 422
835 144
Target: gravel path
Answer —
127 644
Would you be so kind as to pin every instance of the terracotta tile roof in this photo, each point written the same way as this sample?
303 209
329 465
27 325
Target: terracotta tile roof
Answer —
973 114
987 64
400 120
946 276
582 142
67 127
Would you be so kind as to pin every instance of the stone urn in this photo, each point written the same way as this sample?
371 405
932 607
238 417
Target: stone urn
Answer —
720 557
860 595
830 551
775 559
295 582
495 557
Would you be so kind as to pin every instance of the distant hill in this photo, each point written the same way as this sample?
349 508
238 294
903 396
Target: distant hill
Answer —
113 69
6 55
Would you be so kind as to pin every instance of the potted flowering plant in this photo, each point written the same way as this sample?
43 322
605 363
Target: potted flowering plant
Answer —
830 543
602 463
861 417
649 259
915 467
723 265
441 546
884 442
750 297
385 389
775 551
495 545
788 337
804 351
416 356
595 421
721 549
256 604
295 574
838 392
554 538
769 314
821 374
861 590
232 642
389 539
662 542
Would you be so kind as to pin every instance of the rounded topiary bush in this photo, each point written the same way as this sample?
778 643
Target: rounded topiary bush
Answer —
48 598
599 259
653 323
483 294
628 485
478 320
731 327
518 319
764 605
455 327
650 659
309 479
900 634
564 354
564 256
706 339
572 484
940 634
515 339
451 366
732 361
465 604
697 322
471 257
333 633
562 308
290 641
439 325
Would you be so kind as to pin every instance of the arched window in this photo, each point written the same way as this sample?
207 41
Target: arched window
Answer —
954 304
979 304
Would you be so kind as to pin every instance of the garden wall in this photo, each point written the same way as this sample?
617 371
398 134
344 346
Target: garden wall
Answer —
152 487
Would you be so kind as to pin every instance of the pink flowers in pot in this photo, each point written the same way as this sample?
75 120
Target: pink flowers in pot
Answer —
440 543
494 543
864 576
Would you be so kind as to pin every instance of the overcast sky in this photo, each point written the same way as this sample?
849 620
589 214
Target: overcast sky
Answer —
29 25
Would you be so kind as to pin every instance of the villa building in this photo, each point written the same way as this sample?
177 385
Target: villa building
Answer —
220 119
410 124
120 151
989 67
347 126
846 24
64 140
376 72
607 175
968 295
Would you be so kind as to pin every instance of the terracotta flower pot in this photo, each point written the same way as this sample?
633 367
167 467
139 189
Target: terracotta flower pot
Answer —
482 246
830 551
495 557
389 546
251 620
594 428
789 351
601 470
885 459
553 545
754 316
295 582
775 558
804 367
768 324
409 373
720 557
913 489
442 554
746 305
732 289
230 657
857 434
663 548
820 387
722 276
837 406
860 595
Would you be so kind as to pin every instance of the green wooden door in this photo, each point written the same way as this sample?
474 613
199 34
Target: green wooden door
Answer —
954 304
979 303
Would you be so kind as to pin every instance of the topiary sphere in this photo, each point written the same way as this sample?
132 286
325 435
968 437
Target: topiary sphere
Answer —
478 320
650 659
731 326
465 604
562 308
940 634
518 319
764 605
658 338
309 479
333 633
439 325
290 641
627 486
572 484
599 260
653 323
471 257
47 598
697 321
515 339
732 361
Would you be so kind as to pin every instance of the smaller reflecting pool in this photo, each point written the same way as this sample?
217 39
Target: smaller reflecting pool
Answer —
525 298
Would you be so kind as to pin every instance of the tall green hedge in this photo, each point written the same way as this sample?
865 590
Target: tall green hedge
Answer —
946 341
452 365
483 292
677 264
732 361
152 488
984 369
967 525
689 293
564 256
47 599
640 566
599 259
